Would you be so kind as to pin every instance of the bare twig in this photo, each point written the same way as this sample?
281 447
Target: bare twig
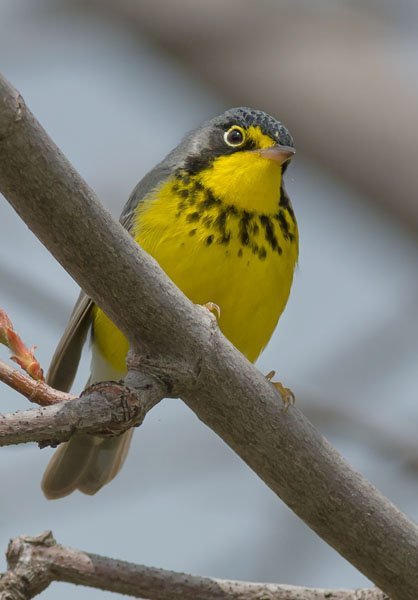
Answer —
37 392
35 562
213 378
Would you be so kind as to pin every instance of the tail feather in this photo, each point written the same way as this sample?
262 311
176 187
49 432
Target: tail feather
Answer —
86 463
104 463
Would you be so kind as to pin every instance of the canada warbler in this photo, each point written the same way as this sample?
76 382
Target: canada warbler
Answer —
215 215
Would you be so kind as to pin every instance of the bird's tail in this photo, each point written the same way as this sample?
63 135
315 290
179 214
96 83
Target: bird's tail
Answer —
85 463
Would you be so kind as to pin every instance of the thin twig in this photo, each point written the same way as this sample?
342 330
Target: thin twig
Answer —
35 562
37 392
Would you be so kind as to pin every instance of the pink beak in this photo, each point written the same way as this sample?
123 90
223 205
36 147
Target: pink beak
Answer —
277 153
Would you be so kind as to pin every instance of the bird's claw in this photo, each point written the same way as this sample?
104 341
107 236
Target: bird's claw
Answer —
213 308
286 394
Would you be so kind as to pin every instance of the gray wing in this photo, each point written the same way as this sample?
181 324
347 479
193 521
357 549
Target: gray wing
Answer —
147 184
66 357
189 145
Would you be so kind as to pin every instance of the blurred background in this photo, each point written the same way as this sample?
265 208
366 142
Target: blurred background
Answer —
116 83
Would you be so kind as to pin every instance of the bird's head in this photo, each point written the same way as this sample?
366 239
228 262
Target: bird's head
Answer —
240 156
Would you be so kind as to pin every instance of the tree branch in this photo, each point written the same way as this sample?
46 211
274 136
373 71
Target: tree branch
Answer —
107 408
35 562
207 372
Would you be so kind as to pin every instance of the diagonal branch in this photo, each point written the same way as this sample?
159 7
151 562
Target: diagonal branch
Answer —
214 379
35 562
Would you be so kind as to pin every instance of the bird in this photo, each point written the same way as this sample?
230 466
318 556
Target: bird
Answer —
217 218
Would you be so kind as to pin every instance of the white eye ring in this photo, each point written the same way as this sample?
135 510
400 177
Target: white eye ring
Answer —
234 137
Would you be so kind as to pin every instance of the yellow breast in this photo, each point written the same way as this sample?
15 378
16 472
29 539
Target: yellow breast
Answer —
241 260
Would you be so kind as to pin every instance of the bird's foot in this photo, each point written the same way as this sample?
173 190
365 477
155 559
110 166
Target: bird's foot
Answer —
286 394
213 308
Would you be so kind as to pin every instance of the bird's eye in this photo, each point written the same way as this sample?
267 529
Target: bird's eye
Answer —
235 136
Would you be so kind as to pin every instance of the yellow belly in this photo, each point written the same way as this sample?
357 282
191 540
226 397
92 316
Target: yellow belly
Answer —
251 292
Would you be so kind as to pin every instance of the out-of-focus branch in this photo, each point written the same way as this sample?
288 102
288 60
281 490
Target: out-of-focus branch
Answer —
203 368
332 74
387 441
35 562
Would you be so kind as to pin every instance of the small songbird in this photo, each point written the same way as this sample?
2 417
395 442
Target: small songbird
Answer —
215 215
